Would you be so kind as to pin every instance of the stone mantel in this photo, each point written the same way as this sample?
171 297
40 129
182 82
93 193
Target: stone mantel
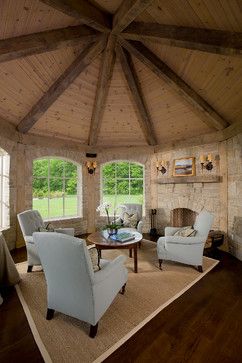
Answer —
190 179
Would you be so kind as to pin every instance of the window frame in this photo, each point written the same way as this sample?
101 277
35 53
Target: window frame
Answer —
63 178
119 178
4 194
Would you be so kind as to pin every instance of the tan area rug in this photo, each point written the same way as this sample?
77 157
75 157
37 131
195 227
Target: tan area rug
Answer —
65 339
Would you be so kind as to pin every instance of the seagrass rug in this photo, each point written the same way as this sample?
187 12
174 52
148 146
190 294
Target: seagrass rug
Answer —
65 339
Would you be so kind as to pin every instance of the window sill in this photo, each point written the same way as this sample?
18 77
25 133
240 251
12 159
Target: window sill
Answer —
62 219
4 228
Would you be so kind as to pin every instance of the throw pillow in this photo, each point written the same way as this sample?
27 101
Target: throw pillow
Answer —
94 258
130 220
47 228
186 232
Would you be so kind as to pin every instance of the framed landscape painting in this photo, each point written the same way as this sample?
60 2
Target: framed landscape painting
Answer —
184 167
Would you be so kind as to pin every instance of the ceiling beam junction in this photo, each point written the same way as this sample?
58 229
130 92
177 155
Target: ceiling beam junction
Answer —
25 45
84 11
90 52
158 67
104 79
206 40
137 95
127 12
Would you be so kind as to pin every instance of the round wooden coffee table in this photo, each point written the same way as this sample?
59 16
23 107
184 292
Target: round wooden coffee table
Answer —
102 242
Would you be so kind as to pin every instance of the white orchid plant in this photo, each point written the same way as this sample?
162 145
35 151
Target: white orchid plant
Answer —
112 221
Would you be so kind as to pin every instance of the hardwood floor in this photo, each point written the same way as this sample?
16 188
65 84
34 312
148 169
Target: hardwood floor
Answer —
203 325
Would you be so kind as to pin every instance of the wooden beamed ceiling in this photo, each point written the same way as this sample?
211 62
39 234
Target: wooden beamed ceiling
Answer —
125 37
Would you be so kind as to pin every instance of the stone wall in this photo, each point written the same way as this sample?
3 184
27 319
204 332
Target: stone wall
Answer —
164 197
194 196
234 147
11 148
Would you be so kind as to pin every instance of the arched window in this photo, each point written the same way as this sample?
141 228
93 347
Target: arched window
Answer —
57 188
4 189
122 182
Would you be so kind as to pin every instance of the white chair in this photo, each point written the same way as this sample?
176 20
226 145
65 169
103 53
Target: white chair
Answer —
72 286
132 209
187 250
30 221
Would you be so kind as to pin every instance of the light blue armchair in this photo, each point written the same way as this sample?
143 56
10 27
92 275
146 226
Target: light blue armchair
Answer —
72 286
187 250
30 221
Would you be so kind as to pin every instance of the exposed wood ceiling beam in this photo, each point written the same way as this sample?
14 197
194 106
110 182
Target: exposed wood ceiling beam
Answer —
127 12
24 45
207 40
133 83
157 66
91 51
105 75
84 11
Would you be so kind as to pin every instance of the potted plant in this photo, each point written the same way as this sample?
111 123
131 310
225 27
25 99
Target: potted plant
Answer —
112 225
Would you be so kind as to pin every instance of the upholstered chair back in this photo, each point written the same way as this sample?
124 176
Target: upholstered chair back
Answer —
133 208
203 224
68 271
30 221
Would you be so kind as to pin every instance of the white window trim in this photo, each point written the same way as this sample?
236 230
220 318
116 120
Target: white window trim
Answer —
4 195
129 178
79 189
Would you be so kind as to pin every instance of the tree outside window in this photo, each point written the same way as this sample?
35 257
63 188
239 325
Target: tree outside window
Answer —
122 182
56 188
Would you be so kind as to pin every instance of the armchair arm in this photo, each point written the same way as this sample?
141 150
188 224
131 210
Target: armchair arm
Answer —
184 240
140 226
169 231
109 269
29 239
68 231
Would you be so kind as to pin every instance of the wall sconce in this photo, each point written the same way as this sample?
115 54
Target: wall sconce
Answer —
206 162
91 166
161 166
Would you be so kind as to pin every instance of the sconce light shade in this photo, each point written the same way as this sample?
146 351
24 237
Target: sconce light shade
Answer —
206 162
91 166
161 166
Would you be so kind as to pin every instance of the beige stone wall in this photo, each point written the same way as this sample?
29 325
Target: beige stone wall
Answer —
195 196
163 197
234 147
11 148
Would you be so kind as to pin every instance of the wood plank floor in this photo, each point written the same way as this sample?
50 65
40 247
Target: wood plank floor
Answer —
203 325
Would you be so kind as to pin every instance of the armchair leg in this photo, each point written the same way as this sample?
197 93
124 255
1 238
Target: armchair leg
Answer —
30 268
93 331
160 264
122 291
200 268
50 314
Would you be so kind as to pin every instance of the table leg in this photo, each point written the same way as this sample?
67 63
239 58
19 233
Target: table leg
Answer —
135 259
99 252
130 252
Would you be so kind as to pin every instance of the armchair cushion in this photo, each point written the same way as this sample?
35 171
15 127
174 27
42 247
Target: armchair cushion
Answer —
94 257
130 220
183 240
186 232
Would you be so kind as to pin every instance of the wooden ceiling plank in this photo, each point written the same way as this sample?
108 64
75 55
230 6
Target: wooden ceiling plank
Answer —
105 75
25 45
157 66
84 11
206 40
133 83
127 12
91 51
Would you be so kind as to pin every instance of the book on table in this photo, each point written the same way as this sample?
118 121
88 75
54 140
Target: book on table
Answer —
123 237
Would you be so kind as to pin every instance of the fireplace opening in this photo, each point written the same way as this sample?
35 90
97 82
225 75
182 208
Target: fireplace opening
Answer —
181 217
